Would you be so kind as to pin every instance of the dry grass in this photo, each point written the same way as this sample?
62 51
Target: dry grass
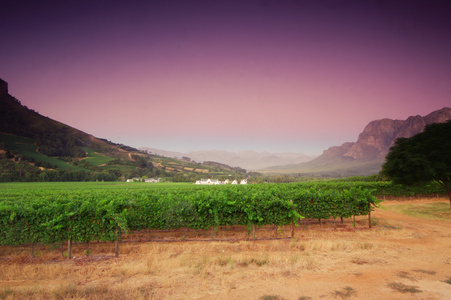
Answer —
403 288
346 292
429 272
192 270
162 270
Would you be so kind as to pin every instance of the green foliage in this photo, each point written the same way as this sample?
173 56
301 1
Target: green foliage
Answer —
55 213
96 159
422 158
26 148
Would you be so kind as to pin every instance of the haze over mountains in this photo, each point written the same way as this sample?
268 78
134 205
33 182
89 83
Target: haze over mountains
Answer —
363 157
37 148
367 155
249 160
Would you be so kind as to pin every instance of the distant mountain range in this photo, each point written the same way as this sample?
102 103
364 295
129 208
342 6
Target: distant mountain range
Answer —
249 160
366 156
31 144
25 134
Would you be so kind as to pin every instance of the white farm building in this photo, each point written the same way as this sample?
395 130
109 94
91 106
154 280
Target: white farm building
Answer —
216 181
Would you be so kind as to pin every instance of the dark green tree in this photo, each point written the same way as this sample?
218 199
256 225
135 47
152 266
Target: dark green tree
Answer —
422 158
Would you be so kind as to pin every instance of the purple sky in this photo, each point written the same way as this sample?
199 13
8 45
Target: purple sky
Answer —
229 75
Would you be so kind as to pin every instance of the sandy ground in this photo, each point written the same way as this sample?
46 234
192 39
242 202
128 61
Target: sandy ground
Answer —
401 257
421 258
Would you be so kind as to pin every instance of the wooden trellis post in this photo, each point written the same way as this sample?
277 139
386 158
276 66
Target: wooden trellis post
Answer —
116 246
69 249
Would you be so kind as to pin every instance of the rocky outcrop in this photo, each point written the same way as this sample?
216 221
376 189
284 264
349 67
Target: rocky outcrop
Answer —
337 150
378 136
366 156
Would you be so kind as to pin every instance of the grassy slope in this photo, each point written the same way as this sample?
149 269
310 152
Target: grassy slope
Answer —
95 158
25 146
19 126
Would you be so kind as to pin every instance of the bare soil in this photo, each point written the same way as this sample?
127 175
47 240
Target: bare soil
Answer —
400 257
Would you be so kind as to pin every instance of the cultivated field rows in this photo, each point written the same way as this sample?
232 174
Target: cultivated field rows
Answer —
401 257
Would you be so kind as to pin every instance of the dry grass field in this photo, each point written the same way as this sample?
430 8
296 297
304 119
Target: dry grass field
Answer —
400 257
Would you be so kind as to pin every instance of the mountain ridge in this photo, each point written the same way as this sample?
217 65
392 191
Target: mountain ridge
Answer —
367 154
37 148
51 138
248 159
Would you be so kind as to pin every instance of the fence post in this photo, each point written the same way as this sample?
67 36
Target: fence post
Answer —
116 246
69 249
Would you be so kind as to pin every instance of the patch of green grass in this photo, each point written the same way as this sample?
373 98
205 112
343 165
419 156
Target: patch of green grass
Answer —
45 187
432 211
97 159
26 147
259 262
224 261
200 265
448 281
403 288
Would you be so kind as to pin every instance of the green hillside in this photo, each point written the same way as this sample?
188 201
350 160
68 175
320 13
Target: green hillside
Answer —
27 149
37 148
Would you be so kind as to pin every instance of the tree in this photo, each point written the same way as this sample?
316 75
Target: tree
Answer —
422 158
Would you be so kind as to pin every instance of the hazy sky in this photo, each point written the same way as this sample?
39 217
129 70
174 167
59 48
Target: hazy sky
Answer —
229 75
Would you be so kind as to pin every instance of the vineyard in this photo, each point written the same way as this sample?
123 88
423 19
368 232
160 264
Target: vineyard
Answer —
55 213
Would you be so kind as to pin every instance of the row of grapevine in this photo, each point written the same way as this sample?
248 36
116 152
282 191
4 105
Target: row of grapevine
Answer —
102 215
383 188
13 191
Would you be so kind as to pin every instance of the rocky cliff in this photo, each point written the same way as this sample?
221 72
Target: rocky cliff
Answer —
378 136
366 156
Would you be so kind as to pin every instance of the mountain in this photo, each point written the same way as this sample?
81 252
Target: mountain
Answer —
250 160
52 138
38 148
366 156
